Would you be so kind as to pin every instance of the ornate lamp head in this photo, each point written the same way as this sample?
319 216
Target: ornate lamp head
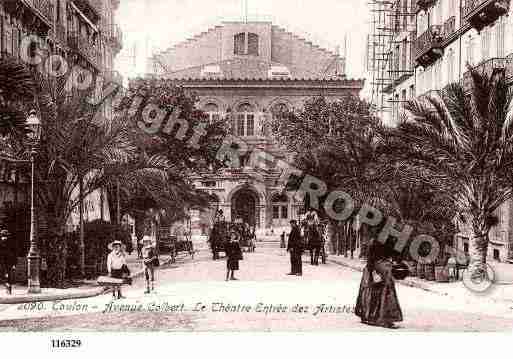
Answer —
34 127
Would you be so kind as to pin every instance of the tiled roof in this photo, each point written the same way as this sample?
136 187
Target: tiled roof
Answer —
246 68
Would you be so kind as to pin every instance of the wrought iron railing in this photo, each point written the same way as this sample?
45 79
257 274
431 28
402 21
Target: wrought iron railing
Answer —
431 38
44 7
449 27
487 67
471 5
86 48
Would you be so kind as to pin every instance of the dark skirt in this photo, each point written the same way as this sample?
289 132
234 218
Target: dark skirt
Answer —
232 264
378 302
117 273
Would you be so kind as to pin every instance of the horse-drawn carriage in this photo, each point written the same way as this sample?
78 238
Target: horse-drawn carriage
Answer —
174 245
220 235
315 240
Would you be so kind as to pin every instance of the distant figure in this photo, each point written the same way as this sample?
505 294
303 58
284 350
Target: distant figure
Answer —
282 240
219 217
7 262
149 259
233 256
295 247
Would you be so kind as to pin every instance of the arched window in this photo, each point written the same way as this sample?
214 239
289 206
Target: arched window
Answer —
239 46
212 111
279 111
280 204
252 44
245 125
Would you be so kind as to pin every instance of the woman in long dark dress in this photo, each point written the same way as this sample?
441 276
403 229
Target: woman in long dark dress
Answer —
233 255
377 302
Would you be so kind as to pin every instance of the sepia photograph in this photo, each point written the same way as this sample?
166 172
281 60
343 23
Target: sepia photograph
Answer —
255 166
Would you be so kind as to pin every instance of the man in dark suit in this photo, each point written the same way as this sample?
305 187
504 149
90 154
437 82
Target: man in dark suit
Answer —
295 247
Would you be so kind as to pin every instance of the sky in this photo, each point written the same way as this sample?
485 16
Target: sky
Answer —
153 25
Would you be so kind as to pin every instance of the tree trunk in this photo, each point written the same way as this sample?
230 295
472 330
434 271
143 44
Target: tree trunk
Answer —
56 253
81 241
478 248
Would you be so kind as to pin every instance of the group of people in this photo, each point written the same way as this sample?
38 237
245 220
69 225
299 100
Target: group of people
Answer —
117 266
377 303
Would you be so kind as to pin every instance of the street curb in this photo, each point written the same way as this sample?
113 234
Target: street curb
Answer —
67 296
52 297
405 282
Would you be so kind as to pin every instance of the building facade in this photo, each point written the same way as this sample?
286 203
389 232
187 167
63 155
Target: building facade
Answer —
249 73
449 34
83 32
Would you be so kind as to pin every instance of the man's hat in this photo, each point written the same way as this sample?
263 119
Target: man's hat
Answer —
115 243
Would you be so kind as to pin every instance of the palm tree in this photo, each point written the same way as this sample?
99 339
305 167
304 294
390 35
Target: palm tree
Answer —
462 141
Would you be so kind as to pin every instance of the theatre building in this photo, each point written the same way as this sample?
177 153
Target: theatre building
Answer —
249 73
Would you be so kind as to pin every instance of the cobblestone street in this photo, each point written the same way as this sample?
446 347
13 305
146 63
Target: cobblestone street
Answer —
192 295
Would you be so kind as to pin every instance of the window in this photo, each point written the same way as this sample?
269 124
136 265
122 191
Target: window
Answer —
239 47
245 120
276 212
240 124
280 206
279 72
279 111
212 111
284 212
485 43
211 71
465 247
210 184
245 44
470 50
496 255
253 44
450 66
500 36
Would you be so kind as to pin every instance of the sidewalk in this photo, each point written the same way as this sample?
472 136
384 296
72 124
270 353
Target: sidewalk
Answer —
87 290
502 291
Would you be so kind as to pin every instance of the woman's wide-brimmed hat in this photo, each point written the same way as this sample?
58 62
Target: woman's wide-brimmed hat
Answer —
115 243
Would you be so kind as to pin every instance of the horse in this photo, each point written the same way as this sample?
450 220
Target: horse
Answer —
313 241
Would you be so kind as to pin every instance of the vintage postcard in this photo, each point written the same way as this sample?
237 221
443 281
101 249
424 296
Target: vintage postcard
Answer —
255 166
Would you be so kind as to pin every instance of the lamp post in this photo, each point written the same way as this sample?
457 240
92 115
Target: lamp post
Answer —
33 258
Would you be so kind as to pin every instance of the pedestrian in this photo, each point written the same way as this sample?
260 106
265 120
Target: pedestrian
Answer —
149 260
295 247
117 266
233 256
7 261
377 302
282 240
139 248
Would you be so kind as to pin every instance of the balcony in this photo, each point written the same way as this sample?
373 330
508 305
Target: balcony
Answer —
487 67
89 51
113 36
58 34
42 9
425 4
480 13
428 46
113 77
92 9
449 27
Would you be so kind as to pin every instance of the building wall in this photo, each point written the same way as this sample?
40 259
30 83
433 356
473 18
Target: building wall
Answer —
275 45
468 46
94 20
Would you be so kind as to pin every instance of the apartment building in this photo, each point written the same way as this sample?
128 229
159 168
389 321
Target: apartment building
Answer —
447 35
83 32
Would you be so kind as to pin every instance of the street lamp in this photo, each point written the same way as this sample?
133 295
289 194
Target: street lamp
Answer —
33 258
